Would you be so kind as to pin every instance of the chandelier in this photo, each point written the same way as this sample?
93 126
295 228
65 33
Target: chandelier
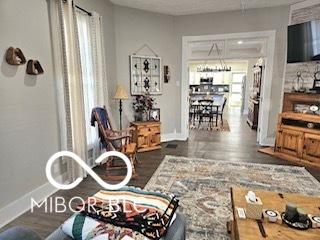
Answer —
221 68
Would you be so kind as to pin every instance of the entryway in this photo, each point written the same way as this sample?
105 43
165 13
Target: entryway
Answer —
209 74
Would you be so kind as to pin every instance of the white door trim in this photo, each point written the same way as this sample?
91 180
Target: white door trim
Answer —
266 91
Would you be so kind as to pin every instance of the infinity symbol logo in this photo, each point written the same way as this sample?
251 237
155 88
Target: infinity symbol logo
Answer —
88 170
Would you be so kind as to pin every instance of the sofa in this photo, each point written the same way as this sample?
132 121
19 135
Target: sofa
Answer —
176 232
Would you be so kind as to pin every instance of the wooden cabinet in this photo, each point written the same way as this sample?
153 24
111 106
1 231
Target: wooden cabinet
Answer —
147 135
253 109
298 138
311 147
290 142
253 114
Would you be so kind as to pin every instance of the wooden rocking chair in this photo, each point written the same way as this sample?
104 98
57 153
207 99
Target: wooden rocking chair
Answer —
113 140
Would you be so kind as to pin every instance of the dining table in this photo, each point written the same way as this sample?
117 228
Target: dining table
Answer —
216 105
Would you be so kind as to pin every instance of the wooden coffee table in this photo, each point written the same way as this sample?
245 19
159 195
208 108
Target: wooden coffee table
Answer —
247 229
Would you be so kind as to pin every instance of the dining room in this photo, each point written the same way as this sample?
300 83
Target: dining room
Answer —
221 80
217 88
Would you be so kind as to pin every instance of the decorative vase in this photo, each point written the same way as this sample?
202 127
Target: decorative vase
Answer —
138 116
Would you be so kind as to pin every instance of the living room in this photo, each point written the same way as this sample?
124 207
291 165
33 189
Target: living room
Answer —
74 73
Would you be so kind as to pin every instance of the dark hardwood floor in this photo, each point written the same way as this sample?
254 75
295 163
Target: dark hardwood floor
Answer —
237 145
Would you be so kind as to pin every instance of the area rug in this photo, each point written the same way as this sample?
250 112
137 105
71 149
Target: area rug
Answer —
211 127
203 187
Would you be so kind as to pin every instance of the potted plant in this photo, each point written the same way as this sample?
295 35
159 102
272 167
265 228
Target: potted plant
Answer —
142 104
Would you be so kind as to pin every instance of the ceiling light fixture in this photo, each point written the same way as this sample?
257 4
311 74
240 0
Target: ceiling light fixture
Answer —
223 66
244 5
240 42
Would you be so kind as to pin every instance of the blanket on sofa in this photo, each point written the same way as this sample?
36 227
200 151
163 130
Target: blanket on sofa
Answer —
129 212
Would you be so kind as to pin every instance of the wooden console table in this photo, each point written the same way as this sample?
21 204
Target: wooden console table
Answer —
247 229
298 134
298 138
147 135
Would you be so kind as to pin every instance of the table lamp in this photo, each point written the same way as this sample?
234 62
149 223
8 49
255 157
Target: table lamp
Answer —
120 95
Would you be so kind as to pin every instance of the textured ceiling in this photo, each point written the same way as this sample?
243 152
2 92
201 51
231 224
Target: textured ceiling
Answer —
184 7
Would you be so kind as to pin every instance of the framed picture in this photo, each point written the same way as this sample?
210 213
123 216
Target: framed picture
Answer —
154 115
145 73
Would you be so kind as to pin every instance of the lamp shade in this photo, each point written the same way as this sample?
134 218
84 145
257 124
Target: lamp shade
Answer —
121 93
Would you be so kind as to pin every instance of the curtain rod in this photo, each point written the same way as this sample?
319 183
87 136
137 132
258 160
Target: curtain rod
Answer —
83 10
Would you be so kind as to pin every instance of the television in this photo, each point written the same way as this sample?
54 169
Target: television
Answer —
304 42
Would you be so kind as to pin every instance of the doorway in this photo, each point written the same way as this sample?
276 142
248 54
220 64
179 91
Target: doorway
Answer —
227 43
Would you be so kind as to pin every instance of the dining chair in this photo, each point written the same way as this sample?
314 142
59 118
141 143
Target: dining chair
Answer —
220 112
205 111
192 112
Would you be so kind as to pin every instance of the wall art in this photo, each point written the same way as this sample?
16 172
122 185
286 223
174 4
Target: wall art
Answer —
145 74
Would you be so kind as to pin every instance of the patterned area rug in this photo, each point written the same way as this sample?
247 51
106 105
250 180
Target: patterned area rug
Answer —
211 127
203 187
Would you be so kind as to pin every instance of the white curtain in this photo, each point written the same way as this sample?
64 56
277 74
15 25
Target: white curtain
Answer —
68 78
92 82
99 59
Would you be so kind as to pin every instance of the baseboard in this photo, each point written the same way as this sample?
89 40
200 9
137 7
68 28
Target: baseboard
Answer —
23 204
173 137
168 137
268 142
181 137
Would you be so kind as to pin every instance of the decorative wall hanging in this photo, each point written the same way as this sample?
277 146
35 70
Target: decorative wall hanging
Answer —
145 75
298 83
34 67
145 72
14 56
167 76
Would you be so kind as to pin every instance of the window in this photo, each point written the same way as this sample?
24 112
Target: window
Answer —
236 89
88 74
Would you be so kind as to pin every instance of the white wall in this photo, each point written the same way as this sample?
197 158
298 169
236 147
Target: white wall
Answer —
133 29
28 119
